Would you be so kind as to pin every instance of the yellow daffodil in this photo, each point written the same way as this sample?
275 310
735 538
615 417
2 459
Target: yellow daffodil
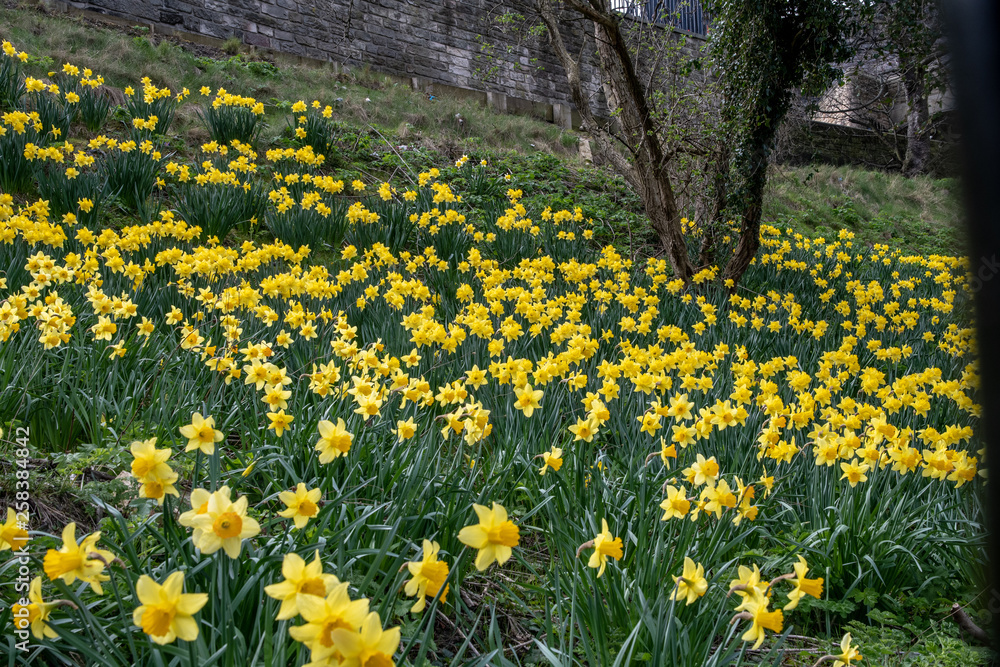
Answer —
199 505
13 536
605 544
166 612
680 407
324 616
584 429
370 646
760 620
334 440
149 467
854 472
300 579
494 536
201 434
279 422
748 584
848 653
404 429
803 586
429 575
302 504
551 460
692 584
703 471
667 452
527 399
675 505
84 561
35 614
224 525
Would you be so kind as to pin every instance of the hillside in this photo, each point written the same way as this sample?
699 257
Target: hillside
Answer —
388 130
386 379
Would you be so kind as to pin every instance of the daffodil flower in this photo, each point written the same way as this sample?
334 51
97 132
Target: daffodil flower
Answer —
551 460
224 525
604 545
300 579
301 504
692 584
429 575
166 612
494 536
201 434
84 561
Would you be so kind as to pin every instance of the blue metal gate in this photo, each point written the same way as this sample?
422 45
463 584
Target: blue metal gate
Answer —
683 14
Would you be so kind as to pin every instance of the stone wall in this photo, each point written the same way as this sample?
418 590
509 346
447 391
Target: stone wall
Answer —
431 43
807 141
436 45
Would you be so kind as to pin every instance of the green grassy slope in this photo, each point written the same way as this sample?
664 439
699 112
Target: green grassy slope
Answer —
125 55
920 215
390 129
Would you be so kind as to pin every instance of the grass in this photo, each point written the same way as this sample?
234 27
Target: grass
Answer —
920 215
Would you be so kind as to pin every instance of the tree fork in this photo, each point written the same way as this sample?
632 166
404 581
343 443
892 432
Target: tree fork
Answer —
645 165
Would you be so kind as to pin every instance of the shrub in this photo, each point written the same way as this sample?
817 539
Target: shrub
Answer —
313 128
55 113
313 220
95 104
21 130
72 185
220 200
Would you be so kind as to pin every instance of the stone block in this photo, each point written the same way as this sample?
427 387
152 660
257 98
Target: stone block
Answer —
256 39
562 115
171 18
274 10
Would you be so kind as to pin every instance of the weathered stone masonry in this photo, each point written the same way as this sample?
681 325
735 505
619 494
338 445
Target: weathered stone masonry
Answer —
433 43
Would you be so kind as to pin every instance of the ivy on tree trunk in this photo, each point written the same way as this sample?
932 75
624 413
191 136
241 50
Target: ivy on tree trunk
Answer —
765 50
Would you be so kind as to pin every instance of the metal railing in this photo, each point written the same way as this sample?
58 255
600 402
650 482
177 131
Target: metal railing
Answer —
683 14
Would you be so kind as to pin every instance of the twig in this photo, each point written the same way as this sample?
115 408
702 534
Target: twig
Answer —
461 634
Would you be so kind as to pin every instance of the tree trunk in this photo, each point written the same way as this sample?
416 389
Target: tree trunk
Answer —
642 162
714 221
753 198
639 131
918 142
748 196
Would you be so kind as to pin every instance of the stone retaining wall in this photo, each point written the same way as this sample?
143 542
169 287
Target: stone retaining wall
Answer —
438 45
804 142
